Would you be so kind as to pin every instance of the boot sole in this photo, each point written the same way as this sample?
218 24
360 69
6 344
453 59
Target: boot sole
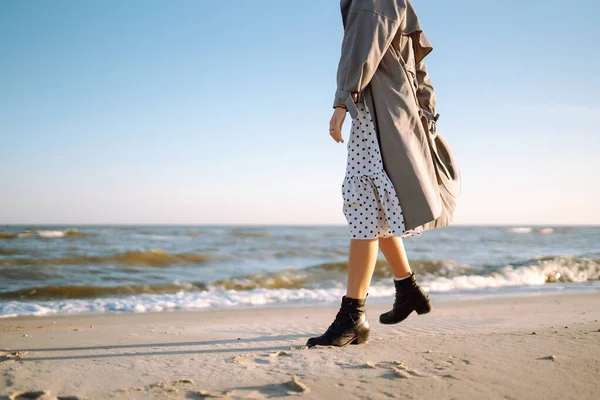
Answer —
426 309
362 338
355 341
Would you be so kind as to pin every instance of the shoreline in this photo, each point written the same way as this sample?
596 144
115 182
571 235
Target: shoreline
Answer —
382 295
464 349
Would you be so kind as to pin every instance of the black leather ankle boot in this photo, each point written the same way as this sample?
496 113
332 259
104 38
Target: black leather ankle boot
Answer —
409 297
349 327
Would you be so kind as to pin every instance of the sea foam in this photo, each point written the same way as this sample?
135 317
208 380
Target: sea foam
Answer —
561 269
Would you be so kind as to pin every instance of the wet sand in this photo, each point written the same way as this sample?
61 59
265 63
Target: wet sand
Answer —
528 347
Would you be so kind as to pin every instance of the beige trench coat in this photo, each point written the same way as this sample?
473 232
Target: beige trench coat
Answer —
382 63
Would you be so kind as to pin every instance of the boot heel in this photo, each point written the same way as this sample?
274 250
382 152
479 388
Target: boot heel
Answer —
362 338
425 309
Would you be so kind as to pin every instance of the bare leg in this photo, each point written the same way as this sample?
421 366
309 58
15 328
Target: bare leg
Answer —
393 250
350 325
361 264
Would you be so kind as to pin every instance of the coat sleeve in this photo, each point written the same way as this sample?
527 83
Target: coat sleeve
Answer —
367 36
426 95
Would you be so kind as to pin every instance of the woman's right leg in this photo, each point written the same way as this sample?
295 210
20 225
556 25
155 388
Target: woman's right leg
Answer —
361 264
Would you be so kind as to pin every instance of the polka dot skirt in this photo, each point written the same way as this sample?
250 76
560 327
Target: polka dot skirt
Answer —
371 205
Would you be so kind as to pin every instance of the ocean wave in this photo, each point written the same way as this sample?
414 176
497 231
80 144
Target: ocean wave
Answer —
85 291
153 258
150 236
196 233
7 235
564 269
250 233
434 276
300 252
181 300
11 252
545 231
523 229
44 234
57 234
211 299
324 275
441 275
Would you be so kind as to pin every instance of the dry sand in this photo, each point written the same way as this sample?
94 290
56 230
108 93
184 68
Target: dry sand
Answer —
484 349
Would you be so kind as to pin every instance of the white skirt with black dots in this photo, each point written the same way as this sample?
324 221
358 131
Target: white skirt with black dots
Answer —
371 205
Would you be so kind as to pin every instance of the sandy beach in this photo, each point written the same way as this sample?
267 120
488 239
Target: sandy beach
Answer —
527 347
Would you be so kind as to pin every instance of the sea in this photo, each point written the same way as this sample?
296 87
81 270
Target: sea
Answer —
66 270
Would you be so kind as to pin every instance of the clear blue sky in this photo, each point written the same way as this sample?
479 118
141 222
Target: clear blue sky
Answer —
218 111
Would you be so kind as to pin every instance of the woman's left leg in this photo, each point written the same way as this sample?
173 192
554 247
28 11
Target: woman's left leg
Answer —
395 254
409 294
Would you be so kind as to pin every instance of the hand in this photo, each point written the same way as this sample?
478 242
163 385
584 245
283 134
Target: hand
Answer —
335 125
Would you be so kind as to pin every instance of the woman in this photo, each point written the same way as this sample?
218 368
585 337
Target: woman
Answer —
401 177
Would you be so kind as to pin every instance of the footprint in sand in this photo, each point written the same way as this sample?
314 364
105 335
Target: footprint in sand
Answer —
280 353
207 394
242 358
449 377
28 395
551 358
296 386
13 355
400 370
165 386
401 373
290 388
39 394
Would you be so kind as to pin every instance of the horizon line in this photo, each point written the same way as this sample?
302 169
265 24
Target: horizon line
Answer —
282 225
